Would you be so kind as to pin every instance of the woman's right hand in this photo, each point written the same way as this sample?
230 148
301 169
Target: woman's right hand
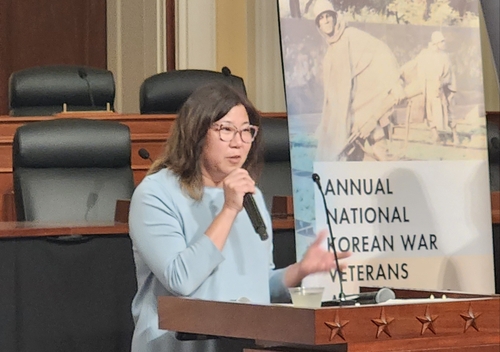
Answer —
235 186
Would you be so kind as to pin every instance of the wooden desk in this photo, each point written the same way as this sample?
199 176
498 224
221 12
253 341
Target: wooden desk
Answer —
24 229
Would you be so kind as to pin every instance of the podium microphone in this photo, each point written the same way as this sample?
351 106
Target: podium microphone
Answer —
382 295
342 298
144 154
226 71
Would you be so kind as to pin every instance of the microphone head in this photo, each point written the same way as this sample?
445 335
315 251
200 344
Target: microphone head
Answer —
82 73
384 294
315 177
226 71
143 153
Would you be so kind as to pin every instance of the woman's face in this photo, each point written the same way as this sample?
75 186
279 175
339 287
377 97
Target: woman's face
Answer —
327 23
220 157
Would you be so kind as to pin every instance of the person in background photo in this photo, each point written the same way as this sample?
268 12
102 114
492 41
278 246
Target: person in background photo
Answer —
190 234
435 79
361 80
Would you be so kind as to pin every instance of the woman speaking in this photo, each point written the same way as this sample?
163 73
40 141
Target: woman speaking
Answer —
190 236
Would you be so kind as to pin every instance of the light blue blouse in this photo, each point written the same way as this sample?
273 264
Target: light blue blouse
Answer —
174 257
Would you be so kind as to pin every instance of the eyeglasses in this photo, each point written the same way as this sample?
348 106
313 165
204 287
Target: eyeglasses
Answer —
227 131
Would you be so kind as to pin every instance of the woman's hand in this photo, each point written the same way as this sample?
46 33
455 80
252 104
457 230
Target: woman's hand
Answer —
316 259
235 185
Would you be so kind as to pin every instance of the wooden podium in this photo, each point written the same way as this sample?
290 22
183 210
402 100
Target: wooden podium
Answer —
461 322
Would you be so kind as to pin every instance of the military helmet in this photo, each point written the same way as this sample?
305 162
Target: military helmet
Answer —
321 6
437 37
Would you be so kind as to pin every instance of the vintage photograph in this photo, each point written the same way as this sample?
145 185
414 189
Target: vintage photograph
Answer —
383 80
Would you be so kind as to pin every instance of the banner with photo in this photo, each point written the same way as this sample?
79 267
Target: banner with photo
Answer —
385 104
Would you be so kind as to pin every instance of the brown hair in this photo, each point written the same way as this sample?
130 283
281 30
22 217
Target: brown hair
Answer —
182 153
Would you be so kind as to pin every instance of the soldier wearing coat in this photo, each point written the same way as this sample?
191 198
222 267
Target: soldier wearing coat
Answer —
361 79
434 76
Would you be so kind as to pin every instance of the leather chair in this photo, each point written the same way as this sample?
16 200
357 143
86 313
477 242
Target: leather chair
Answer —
42 91
276 180
276 177
71 169
73 293
164 93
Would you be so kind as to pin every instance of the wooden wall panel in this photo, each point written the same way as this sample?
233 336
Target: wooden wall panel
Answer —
45 32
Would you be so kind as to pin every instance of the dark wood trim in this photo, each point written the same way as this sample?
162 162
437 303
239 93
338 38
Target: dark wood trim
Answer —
40 229
493 117
170 19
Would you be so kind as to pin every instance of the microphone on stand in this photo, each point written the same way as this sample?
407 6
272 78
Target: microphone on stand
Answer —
254 215
342 298
144 154
382 295
83 75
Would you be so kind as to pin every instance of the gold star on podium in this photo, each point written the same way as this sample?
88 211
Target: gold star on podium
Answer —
336 327
383 323
427 321
470 319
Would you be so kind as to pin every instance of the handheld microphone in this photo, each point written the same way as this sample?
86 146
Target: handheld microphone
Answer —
254 215
83 75
144 154
342 297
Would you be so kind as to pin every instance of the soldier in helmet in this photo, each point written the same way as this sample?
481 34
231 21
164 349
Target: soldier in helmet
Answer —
361 79
436 80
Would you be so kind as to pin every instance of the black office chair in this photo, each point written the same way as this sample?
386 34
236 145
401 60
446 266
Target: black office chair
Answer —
42 91
276 177
73 293
164 93
71 169
276 180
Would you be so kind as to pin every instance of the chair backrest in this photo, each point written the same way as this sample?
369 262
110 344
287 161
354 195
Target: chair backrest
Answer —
164 93
43 90
71 169
276 177
493 136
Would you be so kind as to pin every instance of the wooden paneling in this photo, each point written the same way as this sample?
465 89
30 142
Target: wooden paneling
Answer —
170 43
47 32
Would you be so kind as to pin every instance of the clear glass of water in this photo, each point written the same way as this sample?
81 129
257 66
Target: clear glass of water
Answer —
306 297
